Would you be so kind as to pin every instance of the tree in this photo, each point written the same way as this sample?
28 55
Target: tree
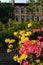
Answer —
41 3
32 3
32 7
5 11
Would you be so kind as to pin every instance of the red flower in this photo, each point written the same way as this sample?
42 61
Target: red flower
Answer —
38 30
37 51
39 37
34 30
26 44
27 52
21 51
39 43
41 29
25 63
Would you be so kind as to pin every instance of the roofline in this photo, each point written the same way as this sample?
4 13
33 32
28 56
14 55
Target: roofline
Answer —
19 3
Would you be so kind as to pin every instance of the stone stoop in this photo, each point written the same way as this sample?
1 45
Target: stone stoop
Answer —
6 59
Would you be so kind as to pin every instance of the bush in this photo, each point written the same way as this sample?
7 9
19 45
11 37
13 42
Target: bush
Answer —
27 43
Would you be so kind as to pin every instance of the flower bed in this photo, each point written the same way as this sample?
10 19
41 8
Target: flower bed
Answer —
28 46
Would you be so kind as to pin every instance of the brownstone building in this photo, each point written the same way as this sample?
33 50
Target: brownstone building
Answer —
23 12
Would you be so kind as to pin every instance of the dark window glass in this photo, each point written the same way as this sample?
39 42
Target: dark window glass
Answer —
28 10
22 10
37 10
33 10
33 18
17 10
22 18
38 18
27 18
17 18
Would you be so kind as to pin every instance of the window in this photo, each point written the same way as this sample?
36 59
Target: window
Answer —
22 18
33 10
33 17
17 18
27 18
38 18
22 10
27 10
17 10
37 10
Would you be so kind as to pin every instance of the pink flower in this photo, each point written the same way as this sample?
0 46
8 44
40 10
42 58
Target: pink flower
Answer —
27 52
38 30
26 43
37 51
34 30
21 51
32 48
20 62
25 63
41 29
39 37
39 43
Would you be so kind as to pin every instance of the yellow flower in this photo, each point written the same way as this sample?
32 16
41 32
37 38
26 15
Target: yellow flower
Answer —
15 33
20 43
29 33
23 35
22 32
7 40
9 50
37 60
26 39
19 59
23 57
15 58
10 46
30 24
11 41
23 39
19 36
33 41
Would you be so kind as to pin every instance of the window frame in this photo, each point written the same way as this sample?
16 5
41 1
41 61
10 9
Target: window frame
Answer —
16 10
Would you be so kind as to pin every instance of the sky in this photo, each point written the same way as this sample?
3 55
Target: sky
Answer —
16 1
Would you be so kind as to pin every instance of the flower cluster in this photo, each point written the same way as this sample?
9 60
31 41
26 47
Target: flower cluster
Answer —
37 30
28 50
9 43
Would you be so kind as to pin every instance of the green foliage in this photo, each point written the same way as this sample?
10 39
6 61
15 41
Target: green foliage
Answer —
5 11
6 30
